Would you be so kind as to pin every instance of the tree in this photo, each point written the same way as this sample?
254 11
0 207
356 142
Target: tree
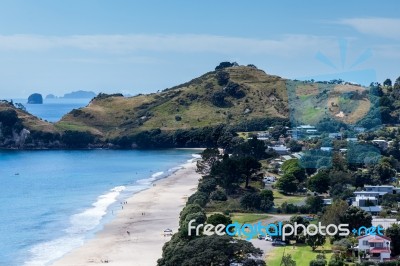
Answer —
208 157
387 83
314 204
287 183
293 167
277 131
207 185
318 262
248 166
319 182
356 217
287 260
267 200
394 233
218 218
218 195
397 83
314 241
334 212
253 147
207 250
294 146
251 201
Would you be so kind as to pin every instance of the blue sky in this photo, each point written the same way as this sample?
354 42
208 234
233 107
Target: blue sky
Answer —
133 47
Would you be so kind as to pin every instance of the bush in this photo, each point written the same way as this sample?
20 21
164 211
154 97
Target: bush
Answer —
207 185
199 198
318 262
218 99
222 78
218 196
225 64
251 201
218 218
178 118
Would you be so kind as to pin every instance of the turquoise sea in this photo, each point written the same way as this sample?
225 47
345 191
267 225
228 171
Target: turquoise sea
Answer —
51 201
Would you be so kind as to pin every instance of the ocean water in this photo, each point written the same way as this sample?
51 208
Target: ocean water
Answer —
53 110
51 201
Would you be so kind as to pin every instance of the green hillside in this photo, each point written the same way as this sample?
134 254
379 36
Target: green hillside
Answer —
228 96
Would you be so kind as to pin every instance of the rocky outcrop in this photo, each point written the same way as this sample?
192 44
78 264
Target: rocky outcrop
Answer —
35 98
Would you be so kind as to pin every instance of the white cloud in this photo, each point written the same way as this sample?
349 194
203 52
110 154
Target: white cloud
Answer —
382 27
287 45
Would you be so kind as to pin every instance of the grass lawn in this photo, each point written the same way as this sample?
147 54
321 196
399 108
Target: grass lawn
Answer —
280 198
302 254
243 218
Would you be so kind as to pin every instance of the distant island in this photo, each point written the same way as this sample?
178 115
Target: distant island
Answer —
35 98
74 95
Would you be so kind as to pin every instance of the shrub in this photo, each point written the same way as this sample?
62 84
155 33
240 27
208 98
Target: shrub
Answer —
207 185
222 78
199 198
218 196
251 201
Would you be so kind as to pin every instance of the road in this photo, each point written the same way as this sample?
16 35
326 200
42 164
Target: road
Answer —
266 246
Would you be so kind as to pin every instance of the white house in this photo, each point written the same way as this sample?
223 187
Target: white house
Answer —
376 246
384 223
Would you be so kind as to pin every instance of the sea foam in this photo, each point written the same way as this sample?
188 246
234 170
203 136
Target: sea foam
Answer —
80 224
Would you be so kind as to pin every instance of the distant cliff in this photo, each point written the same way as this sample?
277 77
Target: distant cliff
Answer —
80 95
35 98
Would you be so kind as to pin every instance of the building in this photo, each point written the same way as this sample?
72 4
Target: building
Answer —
384 223
376 247
368 204
281 149
335 135
381 143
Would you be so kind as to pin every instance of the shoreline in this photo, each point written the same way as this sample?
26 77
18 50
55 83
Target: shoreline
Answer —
135 234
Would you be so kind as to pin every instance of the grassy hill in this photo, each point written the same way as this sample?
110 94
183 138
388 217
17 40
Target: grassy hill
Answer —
30 122
233 96
230 96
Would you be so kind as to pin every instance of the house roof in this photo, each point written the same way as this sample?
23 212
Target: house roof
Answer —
380 250
374 237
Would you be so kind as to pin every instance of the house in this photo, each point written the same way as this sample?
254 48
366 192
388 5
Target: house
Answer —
368 204
335 135
327 201
281 149
302 131
384 222
383 189
377 247
263 136
381 143
328 149
352 140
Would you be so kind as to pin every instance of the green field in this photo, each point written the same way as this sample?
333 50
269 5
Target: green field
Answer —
301 253
280 198
243 218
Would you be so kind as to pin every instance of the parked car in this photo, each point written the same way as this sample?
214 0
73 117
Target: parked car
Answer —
268 238
278 243
261 237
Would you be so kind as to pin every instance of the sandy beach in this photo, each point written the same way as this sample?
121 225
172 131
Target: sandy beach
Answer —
132 238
